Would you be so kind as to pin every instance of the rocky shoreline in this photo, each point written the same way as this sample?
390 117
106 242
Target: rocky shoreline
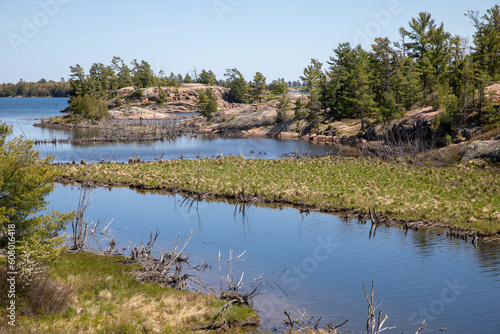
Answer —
406 136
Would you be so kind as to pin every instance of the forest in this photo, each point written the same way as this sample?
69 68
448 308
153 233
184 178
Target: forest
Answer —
42 88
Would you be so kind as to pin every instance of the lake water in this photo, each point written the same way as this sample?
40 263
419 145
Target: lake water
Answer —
22 114
418 274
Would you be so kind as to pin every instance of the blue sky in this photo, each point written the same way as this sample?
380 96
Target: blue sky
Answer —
41 39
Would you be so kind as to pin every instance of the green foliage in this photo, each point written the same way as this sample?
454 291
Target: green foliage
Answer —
163 96
118 102
299 112
212 105
207 78
89 107
202 98
142 74
103 79
237 85
25 181
35 89
207 101
312 74
487 41
258 87
282 109
314 111
278 87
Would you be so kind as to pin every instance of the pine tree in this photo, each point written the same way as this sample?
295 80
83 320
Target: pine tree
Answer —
299 110
487 41
238 87
312 74
207 78
25 181
278 87
258 87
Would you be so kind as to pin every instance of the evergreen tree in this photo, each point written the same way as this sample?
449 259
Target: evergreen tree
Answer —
207 78
122 73
278 87
142 74
78 82
299 110
258 87
314 111
487 41
212 105
428 46
312 74
238 87
207 101
359 84
89 107
282 109
25 181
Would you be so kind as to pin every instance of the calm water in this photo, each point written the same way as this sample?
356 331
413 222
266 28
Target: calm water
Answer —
21 113
417 275
420 274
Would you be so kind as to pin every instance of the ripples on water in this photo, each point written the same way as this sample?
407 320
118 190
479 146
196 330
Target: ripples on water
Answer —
414 272
21 113
410 271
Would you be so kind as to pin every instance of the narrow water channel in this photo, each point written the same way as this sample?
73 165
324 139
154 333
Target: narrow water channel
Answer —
418 274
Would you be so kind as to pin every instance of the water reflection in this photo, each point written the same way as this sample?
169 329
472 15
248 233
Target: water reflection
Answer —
23 113
326 259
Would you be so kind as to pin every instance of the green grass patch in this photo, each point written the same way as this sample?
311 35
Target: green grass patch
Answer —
461 196
107 299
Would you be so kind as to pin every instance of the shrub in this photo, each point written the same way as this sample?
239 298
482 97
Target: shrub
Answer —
89 107
163 97
36 293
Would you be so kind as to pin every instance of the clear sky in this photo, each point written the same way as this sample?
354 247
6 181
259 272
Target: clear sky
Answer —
41 39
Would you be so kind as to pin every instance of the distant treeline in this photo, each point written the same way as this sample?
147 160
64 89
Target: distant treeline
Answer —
42 88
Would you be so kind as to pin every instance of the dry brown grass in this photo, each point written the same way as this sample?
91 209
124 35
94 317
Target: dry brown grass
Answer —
107 299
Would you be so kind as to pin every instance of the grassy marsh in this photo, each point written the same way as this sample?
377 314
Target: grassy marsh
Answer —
465 196
107 299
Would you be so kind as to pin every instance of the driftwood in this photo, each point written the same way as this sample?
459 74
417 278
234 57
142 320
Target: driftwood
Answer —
374 326
300 321
120 131
82 229
168 269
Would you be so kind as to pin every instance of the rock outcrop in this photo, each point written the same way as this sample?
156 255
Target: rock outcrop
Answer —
482 149
415 123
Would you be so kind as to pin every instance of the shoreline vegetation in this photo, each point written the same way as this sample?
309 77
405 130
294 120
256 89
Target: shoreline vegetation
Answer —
462 198
404 108
94 293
